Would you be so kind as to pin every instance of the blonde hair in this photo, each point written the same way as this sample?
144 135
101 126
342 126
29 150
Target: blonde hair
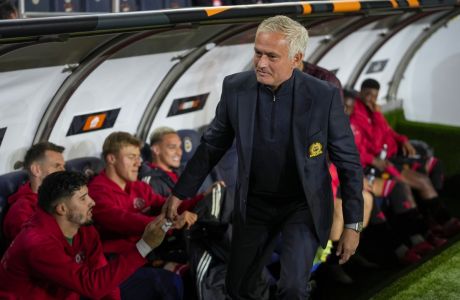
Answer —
158 134
117 140
295 34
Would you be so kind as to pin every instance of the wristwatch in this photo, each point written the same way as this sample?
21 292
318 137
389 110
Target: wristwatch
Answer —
358 227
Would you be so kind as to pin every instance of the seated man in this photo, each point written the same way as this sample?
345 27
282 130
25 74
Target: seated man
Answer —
125 205
163 172
41 160
379 145
58 256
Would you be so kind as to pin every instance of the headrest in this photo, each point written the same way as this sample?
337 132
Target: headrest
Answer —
146 152
89 166
190 141
9 184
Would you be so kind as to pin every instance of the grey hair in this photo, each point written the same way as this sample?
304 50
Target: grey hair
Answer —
295 34
158 134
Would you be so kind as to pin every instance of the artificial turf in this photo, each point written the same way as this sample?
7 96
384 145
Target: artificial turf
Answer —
437 278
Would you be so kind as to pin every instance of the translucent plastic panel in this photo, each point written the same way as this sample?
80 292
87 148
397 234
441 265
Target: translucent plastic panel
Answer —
346 54
390 54
24 96
54 52
126 83
205 76
313 43
430 87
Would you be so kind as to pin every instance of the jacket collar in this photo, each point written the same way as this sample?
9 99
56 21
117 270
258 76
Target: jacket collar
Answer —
247 100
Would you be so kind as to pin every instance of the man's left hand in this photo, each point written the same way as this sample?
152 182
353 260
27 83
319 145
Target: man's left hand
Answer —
347 245
408 149
186 219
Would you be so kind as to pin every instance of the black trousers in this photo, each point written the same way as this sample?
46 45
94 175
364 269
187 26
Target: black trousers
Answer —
255 238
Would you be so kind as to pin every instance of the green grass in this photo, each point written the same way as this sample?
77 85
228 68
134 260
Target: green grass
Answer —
445 140
438 278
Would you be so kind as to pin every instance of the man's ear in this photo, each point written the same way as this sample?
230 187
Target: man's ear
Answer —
61 209
35 169
155 149
297 59
110 159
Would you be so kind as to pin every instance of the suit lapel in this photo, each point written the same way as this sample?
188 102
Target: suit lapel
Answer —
247 100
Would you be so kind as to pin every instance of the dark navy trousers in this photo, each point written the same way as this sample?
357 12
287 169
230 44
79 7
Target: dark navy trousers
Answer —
152 283
254 240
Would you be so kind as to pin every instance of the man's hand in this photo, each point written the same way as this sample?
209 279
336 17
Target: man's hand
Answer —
209 190
408 149
169 209
153 234
187 219
347 245
380 163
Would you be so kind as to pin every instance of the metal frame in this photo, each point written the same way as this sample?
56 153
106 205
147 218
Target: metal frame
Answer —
29 28
413 48
79 74
379 43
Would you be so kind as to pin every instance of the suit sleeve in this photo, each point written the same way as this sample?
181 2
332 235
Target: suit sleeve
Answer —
84 279
344 155
214 143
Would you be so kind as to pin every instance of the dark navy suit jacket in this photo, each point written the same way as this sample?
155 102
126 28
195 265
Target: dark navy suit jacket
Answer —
318 120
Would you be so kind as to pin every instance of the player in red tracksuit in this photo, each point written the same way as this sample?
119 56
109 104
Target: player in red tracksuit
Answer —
57 256
40 160
23 204
124 204
373 134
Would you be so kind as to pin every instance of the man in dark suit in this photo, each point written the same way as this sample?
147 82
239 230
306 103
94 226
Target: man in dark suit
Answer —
285 123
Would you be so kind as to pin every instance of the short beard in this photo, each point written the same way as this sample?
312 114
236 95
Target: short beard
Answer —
76 219
88 223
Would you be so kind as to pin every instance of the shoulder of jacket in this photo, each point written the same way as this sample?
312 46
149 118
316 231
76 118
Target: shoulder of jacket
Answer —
239 78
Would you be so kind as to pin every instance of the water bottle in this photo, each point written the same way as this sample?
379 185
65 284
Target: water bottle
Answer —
371 176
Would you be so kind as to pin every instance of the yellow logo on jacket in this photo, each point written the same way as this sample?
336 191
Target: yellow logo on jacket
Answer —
315 149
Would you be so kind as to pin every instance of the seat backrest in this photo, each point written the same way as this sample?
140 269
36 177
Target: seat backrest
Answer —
176 3
151 4
40 5
9 184
97 5
67 5
89 166
190 141
146 152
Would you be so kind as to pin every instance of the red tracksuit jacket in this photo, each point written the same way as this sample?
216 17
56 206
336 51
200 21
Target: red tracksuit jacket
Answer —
41 264
23 204
189 202
372 131
121 215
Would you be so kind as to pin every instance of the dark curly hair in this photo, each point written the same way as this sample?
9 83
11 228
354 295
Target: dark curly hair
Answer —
58 187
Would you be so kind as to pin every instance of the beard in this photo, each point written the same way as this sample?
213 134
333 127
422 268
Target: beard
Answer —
79 219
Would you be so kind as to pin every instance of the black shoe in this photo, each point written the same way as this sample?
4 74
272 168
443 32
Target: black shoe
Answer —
363 262
335 272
